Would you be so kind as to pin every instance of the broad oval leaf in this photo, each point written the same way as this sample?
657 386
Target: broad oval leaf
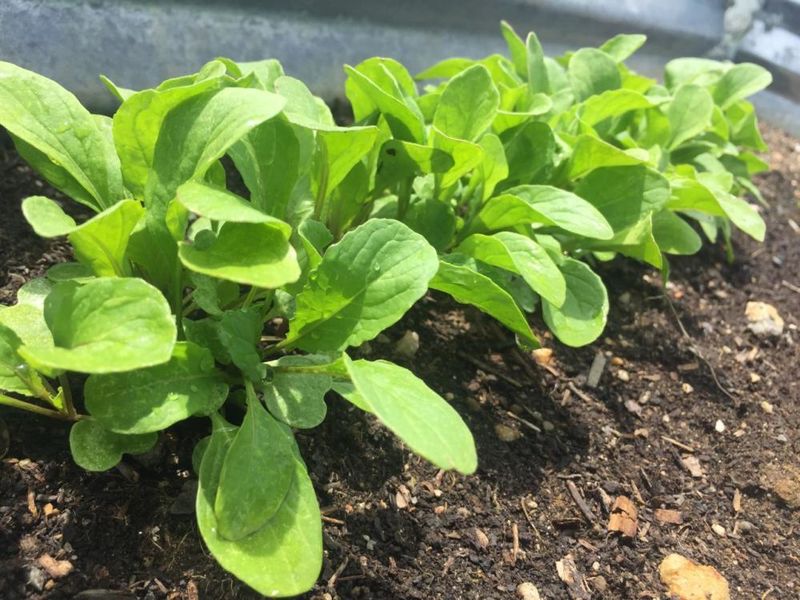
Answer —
256 254
590 152
739 82
239 332
256 475
284 557
582 317
415 413
106 325
546 205
198 131
468 104
365 283
219 204
674 235
522 255
592 71
689 113
46 217
154 398
95 448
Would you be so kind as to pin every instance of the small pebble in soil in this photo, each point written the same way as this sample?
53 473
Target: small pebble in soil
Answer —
687 388
528 591
718 529
763 319
719 426
623 375
767 407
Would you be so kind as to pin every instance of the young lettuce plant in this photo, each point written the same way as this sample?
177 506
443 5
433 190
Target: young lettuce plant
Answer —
164 309
520 170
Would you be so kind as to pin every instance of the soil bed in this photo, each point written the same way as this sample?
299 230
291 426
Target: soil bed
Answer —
395 528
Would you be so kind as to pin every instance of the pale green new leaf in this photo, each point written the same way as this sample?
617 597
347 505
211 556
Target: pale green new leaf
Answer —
154 398
538 77
582 317
46 217
590 152
256 254
689 113
674 235
622 46
468 104
239 332
105 325
415 413
739 82
591 72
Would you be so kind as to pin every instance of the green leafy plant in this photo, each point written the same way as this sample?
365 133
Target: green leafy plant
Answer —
501 186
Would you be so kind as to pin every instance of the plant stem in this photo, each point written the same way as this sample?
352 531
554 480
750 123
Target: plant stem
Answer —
39 410
248 300
67 391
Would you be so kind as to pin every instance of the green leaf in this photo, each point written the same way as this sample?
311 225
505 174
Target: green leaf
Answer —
213 295
296 393
256 254
689 113
381 91
138 123
60 138
302 107
256 474
197 132
340 149
365 283
622 46
28 323
593 72
102 242
95 448
445 69
415 413
516 48
69 271
154 398
467 286
547 205
468 104
519 254
221 205
700 71
531 153
240 333
434 220
538 78
284 557
13 370
268 158
582 317
624 194
34 292
400 160
739 82
105 325
466 156
591 153
494 167
674 235
46 217
612 103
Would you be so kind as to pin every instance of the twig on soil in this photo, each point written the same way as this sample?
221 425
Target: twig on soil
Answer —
790 286
490 369
529 519
333 521
582 395
695 350
337 572
675 442
514 543
584 508
524 421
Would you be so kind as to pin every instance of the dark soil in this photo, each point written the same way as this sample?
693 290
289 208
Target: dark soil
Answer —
395 528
